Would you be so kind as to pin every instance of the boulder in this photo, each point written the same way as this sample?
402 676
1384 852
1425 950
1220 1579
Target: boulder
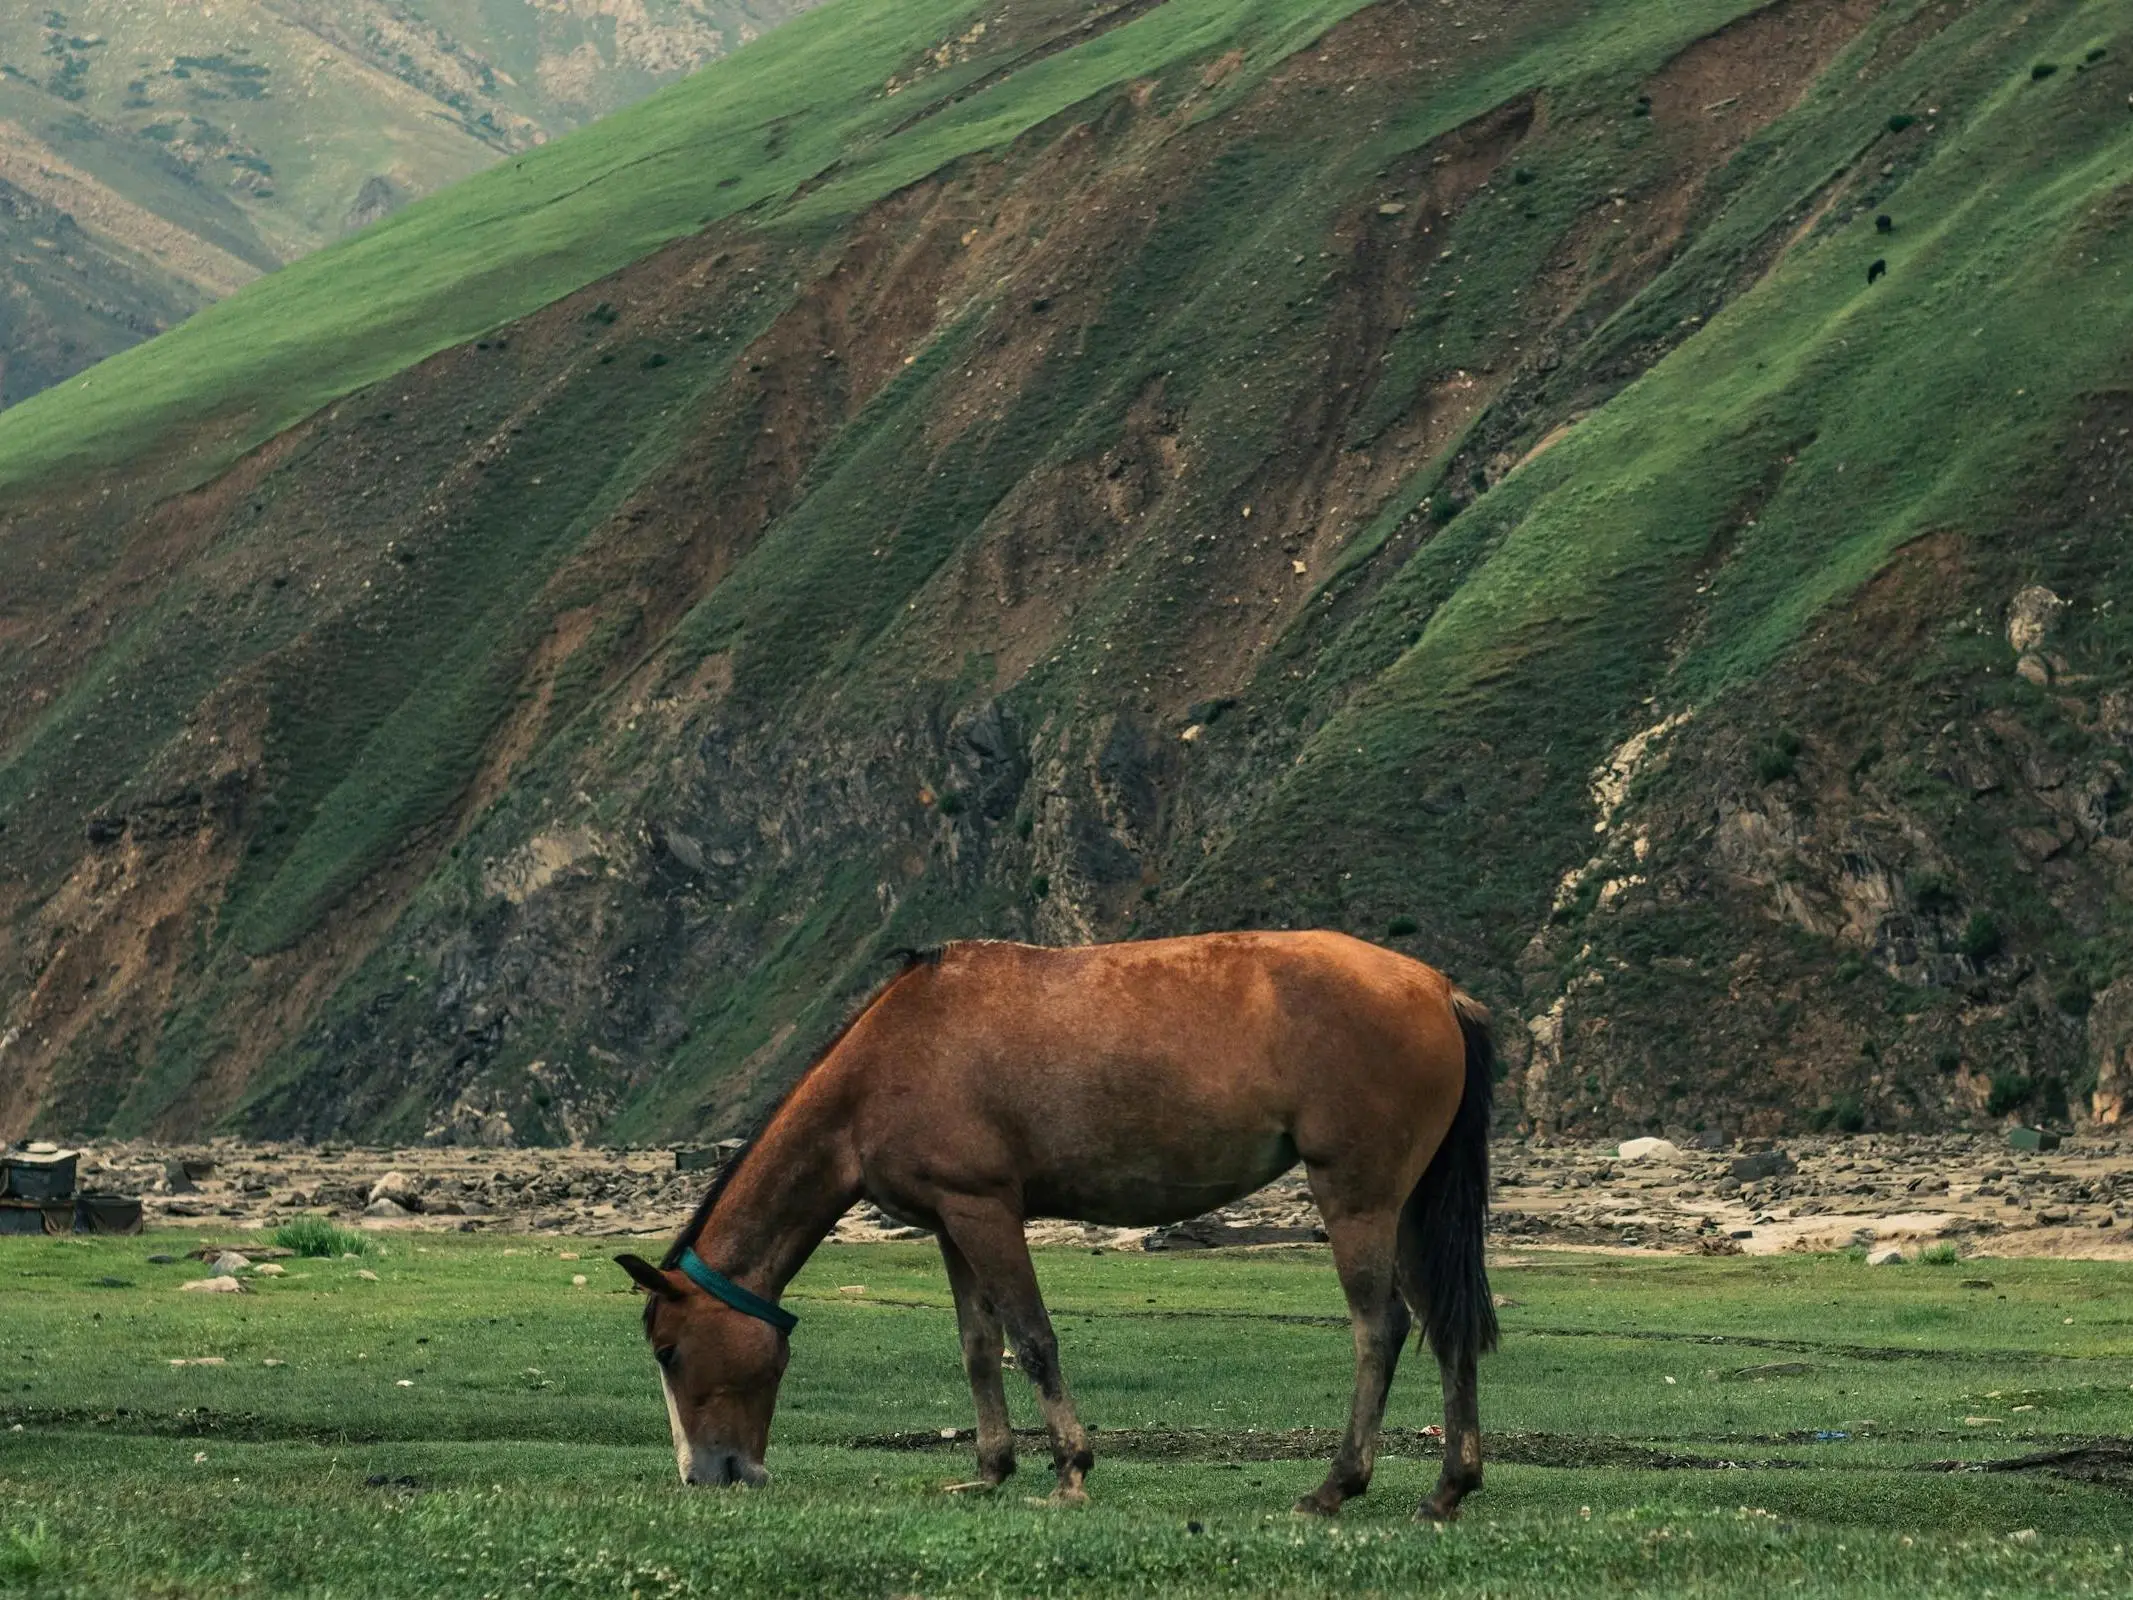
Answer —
387 1208
216 1286
1761 1164
2111 1052
1649 1150
399 1189
2032 617
1888 1257
230 1263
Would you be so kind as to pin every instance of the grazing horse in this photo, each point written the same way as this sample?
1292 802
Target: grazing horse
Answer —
1128 1084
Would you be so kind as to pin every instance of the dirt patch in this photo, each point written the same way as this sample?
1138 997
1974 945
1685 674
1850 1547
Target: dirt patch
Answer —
1315 1444
2106 1462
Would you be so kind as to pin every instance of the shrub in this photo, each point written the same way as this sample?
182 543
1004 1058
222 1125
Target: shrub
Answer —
1981 938
1779 759
1847 1113
2009 1090
951 803
23 1554
1939 1255
1401 927
315 1236
2042 70
1040 886
1901 121
1850 969
2073 997
1929 891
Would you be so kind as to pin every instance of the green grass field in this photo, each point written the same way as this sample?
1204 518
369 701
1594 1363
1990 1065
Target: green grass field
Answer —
474 1423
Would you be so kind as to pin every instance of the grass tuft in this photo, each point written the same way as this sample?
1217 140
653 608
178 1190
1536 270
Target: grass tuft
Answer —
315 1236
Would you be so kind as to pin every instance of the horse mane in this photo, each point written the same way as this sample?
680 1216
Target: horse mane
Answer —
911 958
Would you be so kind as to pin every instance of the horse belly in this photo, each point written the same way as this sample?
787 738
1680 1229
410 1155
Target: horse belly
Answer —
1155 1184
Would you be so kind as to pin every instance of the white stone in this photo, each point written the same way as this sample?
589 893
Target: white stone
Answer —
230 1263
1890 1257
1649 1150
2031 618
216 1286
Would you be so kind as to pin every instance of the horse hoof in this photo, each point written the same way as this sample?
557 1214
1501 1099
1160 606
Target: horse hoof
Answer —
1064 1496
1428 1511
1316 1505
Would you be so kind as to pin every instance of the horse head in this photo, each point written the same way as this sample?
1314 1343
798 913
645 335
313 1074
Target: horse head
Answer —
719 1367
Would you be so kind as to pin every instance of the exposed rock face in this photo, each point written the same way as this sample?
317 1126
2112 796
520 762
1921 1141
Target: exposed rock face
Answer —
2111 1055
379 198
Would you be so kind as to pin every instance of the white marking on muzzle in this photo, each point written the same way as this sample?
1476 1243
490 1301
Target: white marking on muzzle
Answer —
697 1464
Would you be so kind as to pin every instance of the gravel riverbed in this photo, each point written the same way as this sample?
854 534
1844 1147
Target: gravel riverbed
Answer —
1970 1190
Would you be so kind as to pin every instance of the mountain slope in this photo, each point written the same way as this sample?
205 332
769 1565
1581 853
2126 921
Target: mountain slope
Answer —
193 147
1481 477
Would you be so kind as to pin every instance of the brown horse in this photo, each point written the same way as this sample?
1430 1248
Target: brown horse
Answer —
1128 1084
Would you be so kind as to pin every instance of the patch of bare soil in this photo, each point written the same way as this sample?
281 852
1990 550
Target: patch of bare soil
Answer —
2102 1461
1313 1444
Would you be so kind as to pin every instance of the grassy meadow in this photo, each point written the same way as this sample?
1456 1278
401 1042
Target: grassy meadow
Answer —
475 1422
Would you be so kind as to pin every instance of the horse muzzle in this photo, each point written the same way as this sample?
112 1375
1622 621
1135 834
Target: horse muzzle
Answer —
722 1469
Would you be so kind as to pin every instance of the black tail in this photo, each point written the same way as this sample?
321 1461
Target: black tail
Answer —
1442 1224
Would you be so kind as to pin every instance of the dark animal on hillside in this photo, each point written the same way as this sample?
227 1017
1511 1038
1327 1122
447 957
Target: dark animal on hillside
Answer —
1884 223
1878 270
1128 1084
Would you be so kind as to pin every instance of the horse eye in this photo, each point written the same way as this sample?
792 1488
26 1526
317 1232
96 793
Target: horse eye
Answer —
664 1355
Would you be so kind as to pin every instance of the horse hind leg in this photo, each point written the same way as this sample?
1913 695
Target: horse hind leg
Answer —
990 1239
1365 1256
983 1339
1442 1277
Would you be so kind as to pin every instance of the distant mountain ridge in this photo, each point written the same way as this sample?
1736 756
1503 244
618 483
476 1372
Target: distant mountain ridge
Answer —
160 155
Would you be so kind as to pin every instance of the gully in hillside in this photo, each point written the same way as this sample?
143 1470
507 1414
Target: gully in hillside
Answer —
1128 1084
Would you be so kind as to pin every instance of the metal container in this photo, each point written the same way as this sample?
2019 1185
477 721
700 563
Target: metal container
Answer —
44 1175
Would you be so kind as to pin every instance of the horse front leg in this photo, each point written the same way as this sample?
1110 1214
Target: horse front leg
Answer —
979 1325
989 1235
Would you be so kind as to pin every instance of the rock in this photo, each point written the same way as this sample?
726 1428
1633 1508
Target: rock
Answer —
2032 1139
230 1263
387 1207
2032 618
366 1275
216 1286
2033 669
1762 1164
2111 1052
270 1270
162 1258
1889 1257
1649 1150
396 1187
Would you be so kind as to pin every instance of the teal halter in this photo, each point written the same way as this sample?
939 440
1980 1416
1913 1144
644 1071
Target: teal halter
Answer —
724 1288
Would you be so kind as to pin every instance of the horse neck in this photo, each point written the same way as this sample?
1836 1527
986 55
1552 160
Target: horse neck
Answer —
799 1176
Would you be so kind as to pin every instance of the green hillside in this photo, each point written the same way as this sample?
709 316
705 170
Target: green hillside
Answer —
1625 502
194 147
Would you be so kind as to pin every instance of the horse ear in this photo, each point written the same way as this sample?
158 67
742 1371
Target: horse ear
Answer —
648 1276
